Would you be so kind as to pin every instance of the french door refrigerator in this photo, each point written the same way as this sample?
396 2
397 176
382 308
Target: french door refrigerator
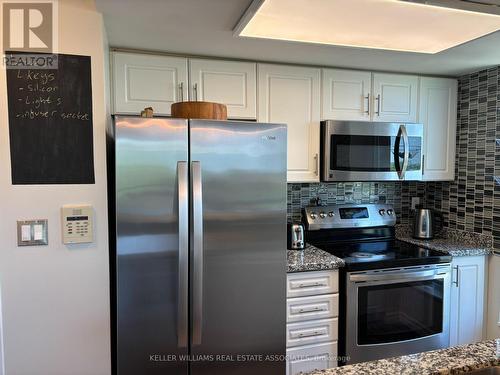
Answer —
199 256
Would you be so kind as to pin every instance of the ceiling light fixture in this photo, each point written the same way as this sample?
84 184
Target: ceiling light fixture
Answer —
478 6
408 25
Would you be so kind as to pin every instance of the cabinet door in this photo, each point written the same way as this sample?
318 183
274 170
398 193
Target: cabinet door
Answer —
346 95
232 83
141 81
438 113
493 321
394 97
291 95
312 307
300 284
311 357
467 300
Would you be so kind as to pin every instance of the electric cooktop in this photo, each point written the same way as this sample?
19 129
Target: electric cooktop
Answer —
383 254
363 235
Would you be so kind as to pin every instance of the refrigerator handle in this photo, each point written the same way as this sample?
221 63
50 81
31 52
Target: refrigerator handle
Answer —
183 218
197 255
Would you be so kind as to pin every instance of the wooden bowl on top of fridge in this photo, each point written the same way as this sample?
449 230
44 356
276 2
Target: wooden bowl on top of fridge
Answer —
199 110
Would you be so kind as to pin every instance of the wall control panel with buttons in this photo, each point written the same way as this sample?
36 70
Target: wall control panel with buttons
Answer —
349 216
77 224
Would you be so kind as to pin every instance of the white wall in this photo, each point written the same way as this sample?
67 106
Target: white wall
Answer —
55 299
493 311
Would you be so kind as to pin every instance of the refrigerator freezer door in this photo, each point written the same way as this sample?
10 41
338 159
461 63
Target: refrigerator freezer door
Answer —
240 298
152 259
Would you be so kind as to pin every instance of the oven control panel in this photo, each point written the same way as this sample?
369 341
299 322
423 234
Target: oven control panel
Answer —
349 216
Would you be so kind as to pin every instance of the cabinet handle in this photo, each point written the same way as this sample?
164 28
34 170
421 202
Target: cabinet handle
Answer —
315 333
308 285
423 165
316 161
378 105
181 89
456 276
195 92
314 309
367 104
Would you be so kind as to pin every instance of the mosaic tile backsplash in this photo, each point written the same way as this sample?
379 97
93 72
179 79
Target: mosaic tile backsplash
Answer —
472 201
396 193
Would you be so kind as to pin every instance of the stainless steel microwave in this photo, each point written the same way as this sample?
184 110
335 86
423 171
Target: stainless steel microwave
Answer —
371 151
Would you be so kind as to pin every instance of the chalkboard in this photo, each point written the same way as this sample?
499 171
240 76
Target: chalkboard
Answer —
50 123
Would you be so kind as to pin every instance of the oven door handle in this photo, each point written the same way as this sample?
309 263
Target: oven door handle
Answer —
394 276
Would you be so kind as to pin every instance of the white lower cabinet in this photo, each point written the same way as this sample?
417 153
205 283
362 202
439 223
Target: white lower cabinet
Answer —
312 307
467 299
310 357
312 321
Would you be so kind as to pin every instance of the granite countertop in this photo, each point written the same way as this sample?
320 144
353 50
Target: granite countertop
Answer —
454 242
454 360
312 259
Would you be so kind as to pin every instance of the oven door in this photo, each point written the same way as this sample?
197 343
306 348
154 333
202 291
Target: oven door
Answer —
394 312
370 151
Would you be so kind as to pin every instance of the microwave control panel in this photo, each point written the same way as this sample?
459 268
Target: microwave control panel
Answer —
77 224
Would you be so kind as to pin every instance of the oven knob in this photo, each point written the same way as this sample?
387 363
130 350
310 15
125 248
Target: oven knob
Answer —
322 215
390 212
331 214
313 216
381 212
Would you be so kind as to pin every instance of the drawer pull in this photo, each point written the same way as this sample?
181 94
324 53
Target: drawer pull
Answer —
308 285
315 333
302 311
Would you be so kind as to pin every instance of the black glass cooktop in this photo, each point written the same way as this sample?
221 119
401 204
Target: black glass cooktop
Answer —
383 254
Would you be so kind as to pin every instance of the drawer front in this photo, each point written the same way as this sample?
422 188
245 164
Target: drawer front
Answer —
311 332
314 307
312 283
311 357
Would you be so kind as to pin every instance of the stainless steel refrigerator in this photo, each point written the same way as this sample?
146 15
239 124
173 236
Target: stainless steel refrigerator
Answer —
199 253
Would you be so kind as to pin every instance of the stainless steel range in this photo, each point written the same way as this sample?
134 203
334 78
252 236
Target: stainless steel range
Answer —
395 296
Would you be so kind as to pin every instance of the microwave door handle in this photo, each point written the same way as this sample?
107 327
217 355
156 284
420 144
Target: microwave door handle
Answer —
406 151
397 143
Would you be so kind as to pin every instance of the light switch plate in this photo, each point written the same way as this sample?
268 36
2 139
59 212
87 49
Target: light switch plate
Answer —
32 232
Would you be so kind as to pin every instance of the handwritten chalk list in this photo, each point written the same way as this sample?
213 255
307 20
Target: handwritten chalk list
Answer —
50 122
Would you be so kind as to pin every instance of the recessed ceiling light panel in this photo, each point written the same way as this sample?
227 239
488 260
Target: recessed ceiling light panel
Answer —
379 24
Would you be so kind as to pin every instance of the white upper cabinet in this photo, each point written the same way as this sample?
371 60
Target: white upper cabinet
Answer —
141 81
232 83
291 95
394 97
438 113
346 95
